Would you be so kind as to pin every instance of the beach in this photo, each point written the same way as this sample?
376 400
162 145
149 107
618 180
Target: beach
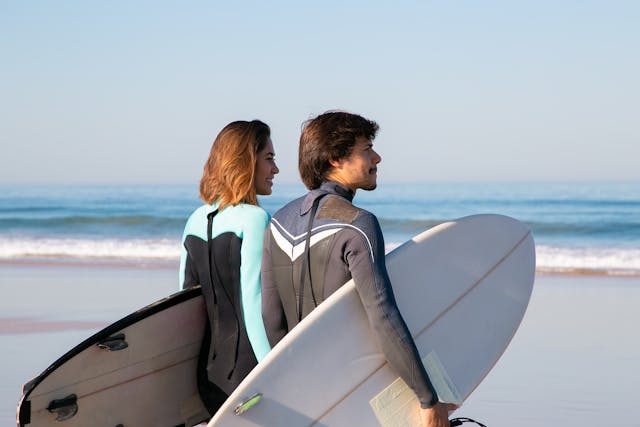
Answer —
521 109
573 361
46 309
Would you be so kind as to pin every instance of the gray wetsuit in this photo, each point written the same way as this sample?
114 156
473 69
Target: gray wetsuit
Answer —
345 242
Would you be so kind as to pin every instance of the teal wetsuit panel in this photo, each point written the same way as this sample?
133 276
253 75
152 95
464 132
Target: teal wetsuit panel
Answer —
248 223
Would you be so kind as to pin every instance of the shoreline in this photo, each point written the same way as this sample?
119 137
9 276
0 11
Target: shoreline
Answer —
92 263
30 325
546 271
88 296
175 264
573 323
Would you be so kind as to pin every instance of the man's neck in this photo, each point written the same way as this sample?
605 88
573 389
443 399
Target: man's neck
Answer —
339 188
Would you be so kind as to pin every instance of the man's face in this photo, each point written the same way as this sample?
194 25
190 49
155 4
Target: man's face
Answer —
359 169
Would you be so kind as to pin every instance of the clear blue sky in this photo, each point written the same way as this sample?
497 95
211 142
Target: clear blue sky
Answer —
135 92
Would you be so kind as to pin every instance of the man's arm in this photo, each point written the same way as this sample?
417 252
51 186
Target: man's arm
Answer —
365 257
273 316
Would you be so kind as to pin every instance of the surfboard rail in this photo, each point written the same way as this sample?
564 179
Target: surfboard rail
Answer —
462 288
111 339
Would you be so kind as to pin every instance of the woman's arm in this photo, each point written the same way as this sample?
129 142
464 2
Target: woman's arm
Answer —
251 256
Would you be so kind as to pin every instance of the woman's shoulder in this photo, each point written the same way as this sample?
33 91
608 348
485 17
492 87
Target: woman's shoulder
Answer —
199 213
197 222
245 212
247 209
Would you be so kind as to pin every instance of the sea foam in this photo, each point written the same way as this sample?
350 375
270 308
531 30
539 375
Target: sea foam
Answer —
603 260
139 249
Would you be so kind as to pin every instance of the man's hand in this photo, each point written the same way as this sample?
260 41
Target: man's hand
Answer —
437 415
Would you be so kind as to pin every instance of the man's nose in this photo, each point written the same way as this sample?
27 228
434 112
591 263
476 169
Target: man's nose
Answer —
376 157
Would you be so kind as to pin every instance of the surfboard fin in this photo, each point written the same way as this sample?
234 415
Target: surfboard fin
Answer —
459 421
114 343
64 408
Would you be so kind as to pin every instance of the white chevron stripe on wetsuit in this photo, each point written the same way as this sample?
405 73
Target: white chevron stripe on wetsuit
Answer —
294 251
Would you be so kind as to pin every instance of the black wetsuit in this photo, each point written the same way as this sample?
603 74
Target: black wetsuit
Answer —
345 242
222 252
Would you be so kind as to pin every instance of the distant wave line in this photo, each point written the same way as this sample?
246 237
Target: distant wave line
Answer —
511 202
144 225
595 228
84 220
549 258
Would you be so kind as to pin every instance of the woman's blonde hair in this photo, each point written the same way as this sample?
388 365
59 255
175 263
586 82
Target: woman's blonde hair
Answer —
228 172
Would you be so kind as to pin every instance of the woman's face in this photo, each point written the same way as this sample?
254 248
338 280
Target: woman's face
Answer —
265 170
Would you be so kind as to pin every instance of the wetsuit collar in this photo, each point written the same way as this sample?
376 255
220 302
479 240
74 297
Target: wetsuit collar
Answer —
327 187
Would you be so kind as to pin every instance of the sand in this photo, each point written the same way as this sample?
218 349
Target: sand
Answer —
574 361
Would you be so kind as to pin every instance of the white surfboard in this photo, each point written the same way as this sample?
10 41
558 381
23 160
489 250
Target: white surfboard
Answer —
139 371
462 288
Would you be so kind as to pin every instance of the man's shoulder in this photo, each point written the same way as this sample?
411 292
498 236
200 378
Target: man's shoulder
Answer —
339 209
365 221
290 208
288 216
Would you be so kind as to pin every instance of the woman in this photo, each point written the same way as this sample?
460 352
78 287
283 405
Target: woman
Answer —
222 251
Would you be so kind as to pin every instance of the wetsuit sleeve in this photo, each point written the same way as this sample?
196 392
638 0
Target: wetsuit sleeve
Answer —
368 269
272 311
187 275
251 256
183 265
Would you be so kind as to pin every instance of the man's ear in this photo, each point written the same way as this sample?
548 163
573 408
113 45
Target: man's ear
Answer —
336 164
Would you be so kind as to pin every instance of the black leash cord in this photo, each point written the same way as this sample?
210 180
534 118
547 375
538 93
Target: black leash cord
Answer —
459 421
306 261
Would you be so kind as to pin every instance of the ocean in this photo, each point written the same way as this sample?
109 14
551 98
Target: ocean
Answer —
578 227
74 259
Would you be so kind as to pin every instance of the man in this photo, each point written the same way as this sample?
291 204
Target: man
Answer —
318 242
